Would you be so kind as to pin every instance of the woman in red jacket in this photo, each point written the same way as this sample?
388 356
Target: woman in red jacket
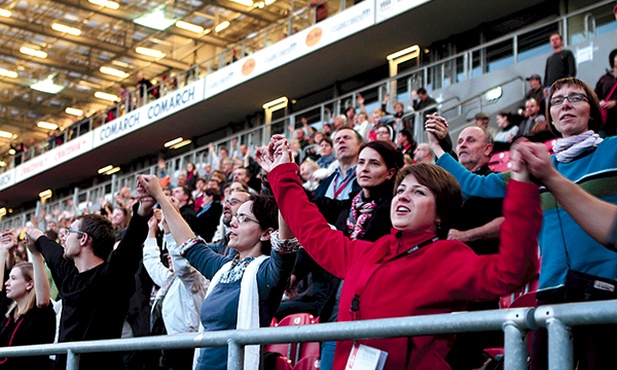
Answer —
410 271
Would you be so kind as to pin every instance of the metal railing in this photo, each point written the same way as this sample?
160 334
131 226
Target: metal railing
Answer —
558 319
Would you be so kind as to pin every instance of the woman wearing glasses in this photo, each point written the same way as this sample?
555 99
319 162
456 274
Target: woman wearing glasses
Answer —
246 290
30 318
583 157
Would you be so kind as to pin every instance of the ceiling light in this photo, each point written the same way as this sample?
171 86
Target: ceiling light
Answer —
173 142
47 125
150 52
222 26
181 144
45 194
2 211
47 86
74 111
8 73
66 29
5 13
2 164
155 19
12 151
113 72
105 169
414 50
105 3
189 27
112 171
269 2
106 96
243 2
6 134
120 64
33 52
275 102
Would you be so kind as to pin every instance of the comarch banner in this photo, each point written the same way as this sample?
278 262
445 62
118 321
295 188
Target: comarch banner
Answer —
150 113
326 32
7 179
55 157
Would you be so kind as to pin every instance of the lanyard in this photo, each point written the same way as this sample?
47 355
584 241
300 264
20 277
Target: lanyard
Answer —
354 309
337 191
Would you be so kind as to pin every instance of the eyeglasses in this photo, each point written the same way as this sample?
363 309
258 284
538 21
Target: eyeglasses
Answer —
572 98
69 231
243 218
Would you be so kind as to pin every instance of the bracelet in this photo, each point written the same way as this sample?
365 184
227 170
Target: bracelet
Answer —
283 246
190 243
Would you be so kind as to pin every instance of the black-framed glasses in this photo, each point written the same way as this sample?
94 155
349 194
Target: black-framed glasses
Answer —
240 219
572 98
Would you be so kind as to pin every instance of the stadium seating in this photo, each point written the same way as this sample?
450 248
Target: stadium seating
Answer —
296 351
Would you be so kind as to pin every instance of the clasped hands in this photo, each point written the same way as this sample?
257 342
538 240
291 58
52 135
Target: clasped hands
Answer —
276 153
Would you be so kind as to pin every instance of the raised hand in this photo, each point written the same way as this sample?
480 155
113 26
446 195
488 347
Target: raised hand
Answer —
8 240
436 125
148 189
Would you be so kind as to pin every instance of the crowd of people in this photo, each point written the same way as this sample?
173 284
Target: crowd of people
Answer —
351 221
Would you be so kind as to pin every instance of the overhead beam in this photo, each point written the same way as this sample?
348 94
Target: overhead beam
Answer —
93 43
130 16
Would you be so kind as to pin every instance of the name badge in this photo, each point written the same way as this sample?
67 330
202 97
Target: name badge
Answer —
366 358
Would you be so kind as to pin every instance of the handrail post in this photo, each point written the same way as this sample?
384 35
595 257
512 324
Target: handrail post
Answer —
72 360
235 355
515 347
560 349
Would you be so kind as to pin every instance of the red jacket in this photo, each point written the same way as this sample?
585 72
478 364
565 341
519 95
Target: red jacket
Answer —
438 278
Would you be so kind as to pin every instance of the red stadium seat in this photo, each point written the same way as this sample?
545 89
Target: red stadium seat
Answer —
308 363
500 162
283 363
296 351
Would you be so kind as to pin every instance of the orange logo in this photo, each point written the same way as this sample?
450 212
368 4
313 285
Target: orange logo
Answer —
314 36
248 66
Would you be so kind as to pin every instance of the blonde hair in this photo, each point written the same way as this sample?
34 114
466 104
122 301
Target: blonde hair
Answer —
27 272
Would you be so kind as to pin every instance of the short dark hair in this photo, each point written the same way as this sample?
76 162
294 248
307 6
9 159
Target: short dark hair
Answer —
215 193
266 212
421 91
356 133
595 115
327 140
392 158
407 134
101 233
188 192
445 189
611 58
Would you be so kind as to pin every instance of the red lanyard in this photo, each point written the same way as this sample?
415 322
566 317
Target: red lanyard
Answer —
337 191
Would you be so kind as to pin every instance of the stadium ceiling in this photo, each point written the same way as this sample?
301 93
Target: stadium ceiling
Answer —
68 41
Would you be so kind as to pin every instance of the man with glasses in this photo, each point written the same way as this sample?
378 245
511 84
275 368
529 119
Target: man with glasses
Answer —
95 282
230 208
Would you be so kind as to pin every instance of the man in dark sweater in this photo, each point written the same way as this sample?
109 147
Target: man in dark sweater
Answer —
559 65
95 282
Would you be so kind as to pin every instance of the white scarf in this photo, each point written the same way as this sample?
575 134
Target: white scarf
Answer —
568 148
248 305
